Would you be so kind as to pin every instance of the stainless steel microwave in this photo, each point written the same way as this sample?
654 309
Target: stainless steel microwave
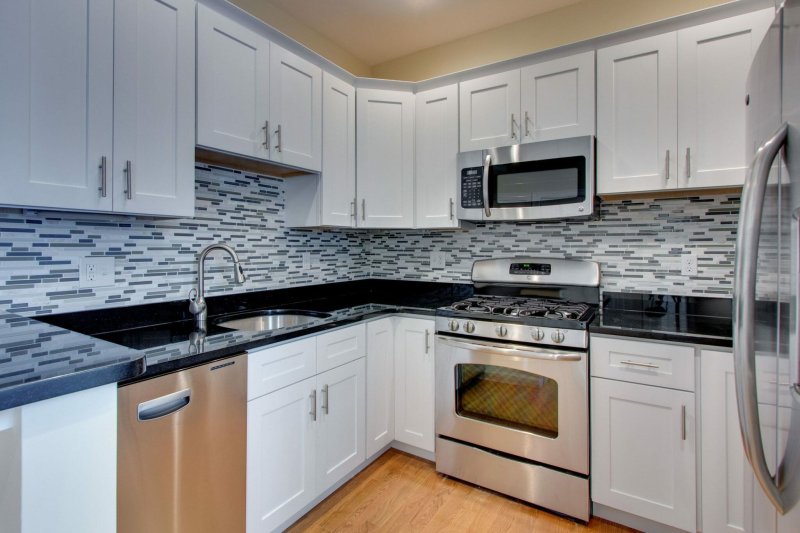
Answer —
535 181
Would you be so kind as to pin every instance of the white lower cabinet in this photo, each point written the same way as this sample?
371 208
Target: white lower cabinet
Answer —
414 382
380 384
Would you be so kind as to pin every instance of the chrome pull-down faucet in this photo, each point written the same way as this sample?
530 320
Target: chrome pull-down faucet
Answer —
197 303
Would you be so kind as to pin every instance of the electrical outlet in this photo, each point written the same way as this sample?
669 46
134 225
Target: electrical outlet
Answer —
689 265
438 260
96 272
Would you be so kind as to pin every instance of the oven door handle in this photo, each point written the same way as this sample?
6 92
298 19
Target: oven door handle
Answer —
513 349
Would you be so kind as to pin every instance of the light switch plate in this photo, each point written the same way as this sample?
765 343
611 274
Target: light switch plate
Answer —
96 272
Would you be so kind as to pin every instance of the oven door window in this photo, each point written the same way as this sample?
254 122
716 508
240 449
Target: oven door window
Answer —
507 397
538 183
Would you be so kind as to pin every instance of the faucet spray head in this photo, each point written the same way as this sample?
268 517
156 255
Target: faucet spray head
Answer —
238 273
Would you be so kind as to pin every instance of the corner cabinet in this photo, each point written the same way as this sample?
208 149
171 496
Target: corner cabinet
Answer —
436 137
670 108
87 73
385 158
338 178
255 98
380 385
414 382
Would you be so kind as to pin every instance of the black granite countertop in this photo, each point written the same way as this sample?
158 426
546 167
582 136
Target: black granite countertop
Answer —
689 319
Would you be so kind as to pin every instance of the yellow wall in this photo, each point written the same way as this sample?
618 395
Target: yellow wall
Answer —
287 24
574 23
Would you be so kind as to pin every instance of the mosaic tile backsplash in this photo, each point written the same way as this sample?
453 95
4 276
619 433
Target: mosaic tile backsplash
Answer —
638 244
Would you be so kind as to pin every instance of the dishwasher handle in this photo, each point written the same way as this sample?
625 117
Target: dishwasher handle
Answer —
164 406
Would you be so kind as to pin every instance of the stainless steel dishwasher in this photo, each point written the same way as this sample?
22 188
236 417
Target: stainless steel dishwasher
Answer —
181 451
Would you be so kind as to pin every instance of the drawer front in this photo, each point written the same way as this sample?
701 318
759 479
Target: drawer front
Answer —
274 368
645 362
341 346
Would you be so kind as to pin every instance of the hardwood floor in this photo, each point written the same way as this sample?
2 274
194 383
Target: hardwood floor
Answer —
400 492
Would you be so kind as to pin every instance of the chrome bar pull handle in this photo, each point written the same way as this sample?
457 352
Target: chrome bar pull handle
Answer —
363 209
744 301
452 209
683 422
667 164
265 144
353 208
427 341
325 405
637 363
103 177
313 412
128 180
487 163
513 124
527 122
278 133
688 162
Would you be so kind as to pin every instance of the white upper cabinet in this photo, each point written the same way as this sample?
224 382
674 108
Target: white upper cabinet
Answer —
56 102
295 110
338 179
558 98
385 158
637 115
154 106
489 111
232 86
436 149
713 61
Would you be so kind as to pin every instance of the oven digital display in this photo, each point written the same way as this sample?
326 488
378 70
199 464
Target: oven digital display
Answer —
527 269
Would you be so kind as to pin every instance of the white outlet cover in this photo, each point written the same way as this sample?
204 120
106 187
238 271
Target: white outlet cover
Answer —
96 272
438 260
689 265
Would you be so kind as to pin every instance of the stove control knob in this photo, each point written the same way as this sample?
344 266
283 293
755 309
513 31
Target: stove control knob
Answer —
557 336
469 327
453 324
501 330
537 334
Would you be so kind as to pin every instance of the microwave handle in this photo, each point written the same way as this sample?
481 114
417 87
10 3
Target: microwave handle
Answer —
485 181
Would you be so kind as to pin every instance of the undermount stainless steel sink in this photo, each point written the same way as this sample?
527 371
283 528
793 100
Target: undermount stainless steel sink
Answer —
271 320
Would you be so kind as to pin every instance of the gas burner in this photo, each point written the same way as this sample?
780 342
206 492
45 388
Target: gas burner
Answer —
521 307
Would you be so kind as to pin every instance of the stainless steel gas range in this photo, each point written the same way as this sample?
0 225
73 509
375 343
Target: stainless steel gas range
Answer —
512 411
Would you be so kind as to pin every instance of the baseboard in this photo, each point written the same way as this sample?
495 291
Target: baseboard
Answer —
630 520
413 450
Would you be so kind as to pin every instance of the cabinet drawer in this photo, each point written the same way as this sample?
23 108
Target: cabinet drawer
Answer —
645 362
341 346
273 368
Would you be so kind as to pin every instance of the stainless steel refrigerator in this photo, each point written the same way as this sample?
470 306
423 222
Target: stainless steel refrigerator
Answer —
766 295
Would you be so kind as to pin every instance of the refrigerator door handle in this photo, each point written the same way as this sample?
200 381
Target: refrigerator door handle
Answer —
744 290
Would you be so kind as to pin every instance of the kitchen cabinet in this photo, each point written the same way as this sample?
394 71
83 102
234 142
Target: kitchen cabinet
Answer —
548 100
414 382
385 158
71 439
232 86
340 346
380 385
643 429
338 178
670 108
99 114
558 98
436 137
255 98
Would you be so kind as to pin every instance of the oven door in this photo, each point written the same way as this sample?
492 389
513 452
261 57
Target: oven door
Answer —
524 401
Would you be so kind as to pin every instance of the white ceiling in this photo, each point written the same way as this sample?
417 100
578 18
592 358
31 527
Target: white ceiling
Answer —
379 30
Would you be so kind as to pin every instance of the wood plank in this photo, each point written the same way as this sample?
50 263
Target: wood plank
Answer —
400 492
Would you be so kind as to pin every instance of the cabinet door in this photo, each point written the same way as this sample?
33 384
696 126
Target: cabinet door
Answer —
339 154
558 98
414 382
295 110
489 111
154 106
643 451
380 384
637 115
437 148
723 460
385 158
232 86
281 453
56 103
341 346
340 439
713 61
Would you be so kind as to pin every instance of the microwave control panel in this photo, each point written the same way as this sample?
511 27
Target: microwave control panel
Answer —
472 188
